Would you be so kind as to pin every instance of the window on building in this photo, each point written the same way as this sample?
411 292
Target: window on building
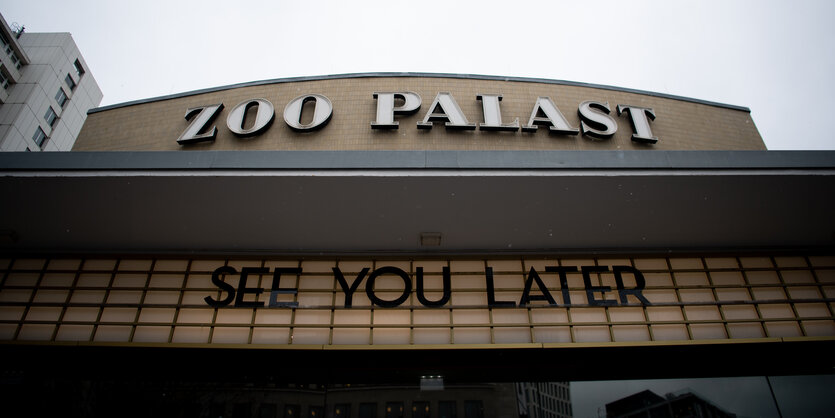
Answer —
473 409
394 409
368 410
50 117
267 410
61 97
316 412
218 409
7 46
241 410
342 410
70 82
4 79
291 411
446 409
39 137
420 409
78 68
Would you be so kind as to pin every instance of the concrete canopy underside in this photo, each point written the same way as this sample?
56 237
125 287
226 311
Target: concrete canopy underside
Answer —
381 202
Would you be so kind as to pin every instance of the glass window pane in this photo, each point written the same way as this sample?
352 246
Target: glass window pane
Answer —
291 411
394 409
368 410
39 137
70 82
446 409
79 69
342 410
61 97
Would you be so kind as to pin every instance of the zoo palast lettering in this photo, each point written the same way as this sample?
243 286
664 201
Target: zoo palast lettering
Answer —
595 118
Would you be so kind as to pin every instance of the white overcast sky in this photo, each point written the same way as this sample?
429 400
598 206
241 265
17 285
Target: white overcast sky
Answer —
775 57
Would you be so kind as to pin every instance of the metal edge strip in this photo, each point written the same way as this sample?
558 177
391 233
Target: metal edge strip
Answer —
418 75
203 161
672 343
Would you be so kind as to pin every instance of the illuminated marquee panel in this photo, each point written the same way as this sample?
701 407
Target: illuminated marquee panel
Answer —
164 300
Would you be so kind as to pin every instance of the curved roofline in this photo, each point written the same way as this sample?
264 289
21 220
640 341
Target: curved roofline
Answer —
409 74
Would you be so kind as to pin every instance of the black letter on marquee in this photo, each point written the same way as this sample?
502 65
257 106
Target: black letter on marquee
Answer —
217 281
639 284
591 289
447 286
566 298
526 295
276 290
349 291
491 291
369 287
243 290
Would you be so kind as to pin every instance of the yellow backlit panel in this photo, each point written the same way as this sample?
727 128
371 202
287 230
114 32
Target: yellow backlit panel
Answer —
286 301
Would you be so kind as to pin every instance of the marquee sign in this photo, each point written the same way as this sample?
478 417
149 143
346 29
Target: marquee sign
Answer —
593 293
596 121
367 301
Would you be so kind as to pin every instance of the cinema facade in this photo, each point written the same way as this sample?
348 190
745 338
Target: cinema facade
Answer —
403 228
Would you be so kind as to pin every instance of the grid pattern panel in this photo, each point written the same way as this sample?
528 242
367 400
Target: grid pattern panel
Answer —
161 300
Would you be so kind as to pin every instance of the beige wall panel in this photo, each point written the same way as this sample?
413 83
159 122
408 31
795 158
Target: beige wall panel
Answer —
679 124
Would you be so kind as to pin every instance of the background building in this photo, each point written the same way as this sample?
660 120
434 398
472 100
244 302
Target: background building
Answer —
544 399
647 404
47 89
